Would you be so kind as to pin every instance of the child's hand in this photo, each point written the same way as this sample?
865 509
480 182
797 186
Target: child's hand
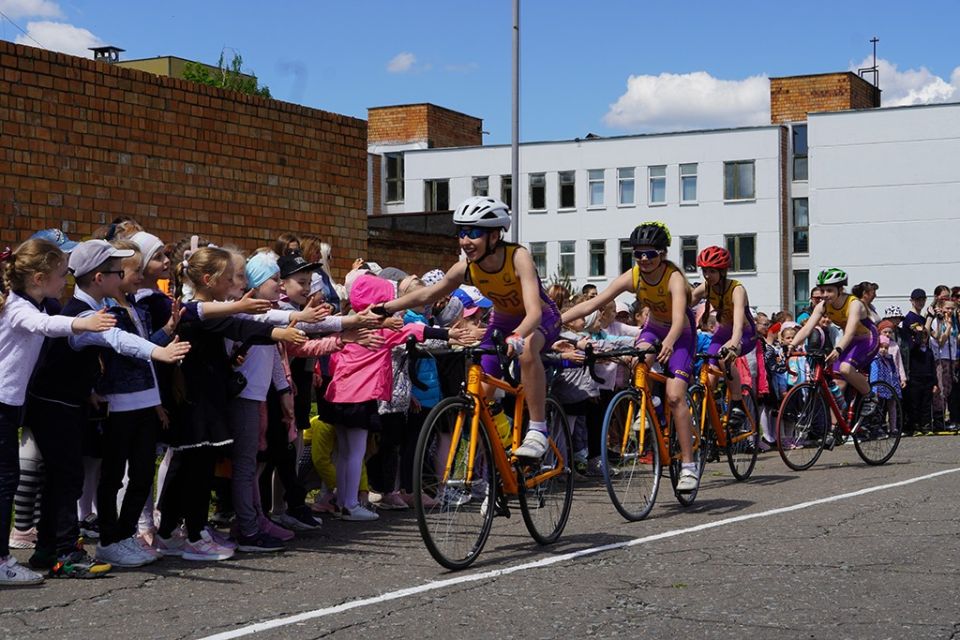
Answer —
172 353
583 343
288 334
164 417
833 355
175 314
252 306
363 337
100 321
314 312
575 356
460 335
666 350
393 323
370 320
357 263
563 346
936 389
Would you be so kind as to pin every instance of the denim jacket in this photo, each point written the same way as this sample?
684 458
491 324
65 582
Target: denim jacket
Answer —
123 374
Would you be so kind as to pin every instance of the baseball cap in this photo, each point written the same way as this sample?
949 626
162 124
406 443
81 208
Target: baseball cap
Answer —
87 256
622 307
393 273
477 297
292 263
57 237
432 277
918 293
372 267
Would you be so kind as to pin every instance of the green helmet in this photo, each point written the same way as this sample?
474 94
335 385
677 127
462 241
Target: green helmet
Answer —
832 276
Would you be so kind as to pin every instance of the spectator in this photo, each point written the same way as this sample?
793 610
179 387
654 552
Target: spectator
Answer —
913 324
815 298
867 292
287 243
589 290
559 294
922 384
943 343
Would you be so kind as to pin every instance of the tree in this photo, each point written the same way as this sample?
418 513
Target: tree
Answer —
226 77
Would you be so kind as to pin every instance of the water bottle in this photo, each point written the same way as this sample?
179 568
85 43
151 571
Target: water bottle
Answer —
504 424
838 396
658 407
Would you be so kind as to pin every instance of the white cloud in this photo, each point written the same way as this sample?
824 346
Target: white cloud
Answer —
912 86
30 8
673 102
401 63
59 36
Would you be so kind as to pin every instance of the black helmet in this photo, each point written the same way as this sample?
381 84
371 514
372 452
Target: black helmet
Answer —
654 234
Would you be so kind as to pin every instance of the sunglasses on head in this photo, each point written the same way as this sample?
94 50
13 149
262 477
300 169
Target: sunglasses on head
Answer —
474 233
649 254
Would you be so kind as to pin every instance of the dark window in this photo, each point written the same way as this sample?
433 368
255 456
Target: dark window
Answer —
688 253
568 195
506 190
436 195
800 152
538 191
743 251
801 226
738 180
394 177
598 258
626 256
481 186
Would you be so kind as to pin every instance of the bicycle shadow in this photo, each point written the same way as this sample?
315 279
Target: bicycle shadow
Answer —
710 507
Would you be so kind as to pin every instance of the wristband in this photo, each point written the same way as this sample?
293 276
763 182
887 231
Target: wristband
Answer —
838 350
380 310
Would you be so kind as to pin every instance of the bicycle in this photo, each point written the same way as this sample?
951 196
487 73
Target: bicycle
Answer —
635 440
804 426
740 445
468 474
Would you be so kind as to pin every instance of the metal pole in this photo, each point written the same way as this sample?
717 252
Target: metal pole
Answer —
515 129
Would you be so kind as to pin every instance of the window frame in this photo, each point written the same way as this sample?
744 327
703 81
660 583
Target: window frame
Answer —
396 180
795 228
626 255
800 159
696 182
571 184
683 255
539 250
573 257
650 182
737 197
797 306
530 186
506 183
736 266
633 181
602 252
591 181
430 187
478 179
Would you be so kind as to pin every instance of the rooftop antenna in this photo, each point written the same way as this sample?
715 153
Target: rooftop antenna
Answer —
874 70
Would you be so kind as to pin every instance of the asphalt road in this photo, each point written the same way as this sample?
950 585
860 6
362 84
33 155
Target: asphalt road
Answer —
879 564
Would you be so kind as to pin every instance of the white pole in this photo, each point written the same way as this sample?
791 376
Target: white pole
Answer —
515 129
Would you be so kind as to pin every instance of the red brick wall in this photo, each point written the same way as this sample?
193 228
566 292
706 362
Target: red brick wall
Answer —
436 126
413 252
84 142
376 169
792 98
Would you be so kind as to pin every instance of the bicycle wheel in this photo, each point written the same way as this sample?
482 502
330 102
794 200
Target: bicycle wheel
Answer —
454 515
802 426
676 462
876 438
743 441
546 505
631 470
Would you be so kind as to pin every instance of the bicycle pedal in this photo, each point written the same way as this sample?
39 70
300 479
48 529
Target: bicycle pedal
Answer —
501 509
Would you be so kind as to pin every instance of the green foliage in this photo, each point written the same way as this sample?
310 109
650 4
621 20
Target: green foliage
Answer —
561 278
226 76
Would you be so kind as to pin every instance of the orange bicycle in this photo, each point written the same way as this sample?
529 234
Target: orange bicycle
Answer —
468 475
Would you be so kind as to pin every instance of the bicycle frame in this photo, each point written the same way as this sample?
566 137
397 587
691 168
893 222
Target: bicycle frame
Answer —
711 411
819 378
641 377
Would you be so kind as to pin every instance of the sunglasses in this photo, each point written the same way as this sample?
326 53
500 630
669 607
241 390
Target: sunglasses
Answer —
649 254
120 273
474 233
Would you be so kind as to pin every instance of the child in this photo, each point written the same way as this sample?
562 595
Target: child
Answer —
921 386
884 369
32 275
798 367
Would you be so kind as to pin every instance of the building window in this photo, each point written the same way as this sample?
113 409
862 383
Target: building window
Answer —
743 252
598 258
568 258
481 186
567 183
688 183
800 152
506 190
626 256
595 181
625 186
436 195
801 290
658 184
539 252
538 191
394 177
688 253
738 180
801 226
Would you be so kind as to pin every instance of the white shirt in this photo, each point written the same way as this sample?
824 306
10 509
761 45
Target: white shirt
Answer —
23 328
136 400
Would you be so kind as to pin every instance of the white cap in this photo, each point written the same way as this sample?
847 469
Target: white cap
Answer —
89 255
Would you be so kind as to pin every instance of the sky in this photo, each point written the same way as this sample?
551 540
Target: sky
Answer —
608 67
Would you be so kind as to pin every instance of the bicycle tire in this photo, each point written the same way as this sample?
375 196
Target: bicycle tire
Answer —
877 443
456 526
699 457
743 446
631 475
803 424
546 507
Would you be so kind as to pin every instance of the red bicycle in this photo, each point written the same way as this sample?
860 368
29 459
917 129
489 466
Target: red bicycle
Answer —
811 420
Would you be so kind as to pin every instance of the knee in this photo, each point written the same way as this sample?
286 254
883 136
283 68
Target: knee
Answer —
675 399
846 369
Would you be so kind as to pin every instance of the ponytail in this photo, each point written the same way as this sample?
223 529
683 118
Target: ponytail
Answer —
31 257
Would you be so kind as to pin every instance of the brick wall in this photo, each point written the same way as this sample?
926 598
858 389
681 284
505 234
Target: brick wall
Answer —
436 126
792 98
374 201
85 142
412 252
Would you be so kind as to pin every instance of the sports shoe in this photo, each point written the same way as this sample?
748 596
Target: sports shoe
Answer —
126 553
869 405
392 502
688 481
324 503
259 543
358 514
298 519
172 546
148 546
78 564
90 527
270 528
43 559
221 519
452 497
737 416
534 445
426 500
205 549
23 539
595 467
17 575
221 539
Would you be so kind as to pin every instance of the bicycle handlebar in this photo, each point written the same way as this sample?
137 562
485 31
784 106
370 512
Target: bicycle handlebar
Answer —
592 357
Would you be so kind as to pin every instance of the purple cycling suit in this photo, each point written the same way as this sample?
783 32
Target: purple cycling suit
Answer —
748 342
680 364
861 350
507 324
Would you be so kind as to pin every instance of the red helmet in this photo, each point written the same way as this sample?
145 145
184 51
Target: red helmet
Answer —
714 258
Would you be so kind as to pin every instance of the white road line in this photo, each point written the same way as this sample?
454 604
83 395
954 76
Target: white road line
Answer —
545 562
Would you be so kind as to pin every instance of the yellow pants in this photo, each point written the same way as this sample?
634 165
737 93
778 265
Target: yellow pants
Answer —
323 448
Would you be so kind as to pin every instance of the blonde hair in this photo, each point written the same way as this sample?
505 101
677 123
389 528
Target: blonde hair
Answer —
178 257
30 258
207 261
130 245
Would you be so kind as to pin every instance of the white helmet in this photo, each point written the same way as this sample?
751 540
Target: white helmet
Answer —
482 211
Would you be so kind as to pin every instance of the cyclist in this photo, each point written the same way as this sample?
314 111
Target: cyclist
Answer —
860 341
504 272
736 331
659 285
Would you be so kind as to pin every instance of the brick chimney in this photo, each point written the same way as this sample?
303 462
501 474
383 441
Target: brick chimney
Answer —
793 97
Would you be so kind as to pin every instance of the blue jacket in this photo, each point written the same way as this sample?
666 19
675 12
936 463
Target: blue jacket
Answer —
427 373
123 374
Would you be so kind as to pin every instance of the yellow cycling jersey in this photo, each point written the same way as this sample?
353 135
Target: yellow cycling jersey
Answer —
656 296
841 315
723 303
502 287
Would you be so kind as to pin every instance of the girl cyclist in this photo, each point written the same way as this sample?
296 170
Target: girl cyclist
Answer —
659 285
736 331
504 273
859 343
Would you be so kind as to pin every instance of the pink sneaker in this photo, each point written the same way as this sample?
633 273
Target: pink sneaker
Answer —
428 502
148 546
23 539
221 539
392 501
172 546
272 529
324 504
205 549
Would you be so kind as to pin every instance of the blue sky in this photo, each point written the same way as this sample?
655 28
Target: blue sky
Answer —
693 64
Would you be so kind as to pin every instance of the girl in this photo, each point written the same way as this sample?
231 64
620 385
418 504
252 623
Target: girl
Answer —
33 274
858 343
885 369
736 332
659 284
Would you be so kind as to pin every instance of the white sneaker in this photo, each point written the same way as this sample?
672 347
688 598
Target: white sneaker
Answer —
289 522
172 546
16 575
534 445
452 498
688 481
205 549
358 514
126 553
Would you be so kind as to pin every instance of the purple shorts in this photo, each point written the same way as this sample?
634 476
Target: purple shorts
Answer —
722 335
680 364
860 353
549 327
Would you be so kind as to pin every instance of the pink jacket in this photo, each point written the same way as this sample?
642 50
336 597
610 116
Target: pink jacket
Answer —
360 374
